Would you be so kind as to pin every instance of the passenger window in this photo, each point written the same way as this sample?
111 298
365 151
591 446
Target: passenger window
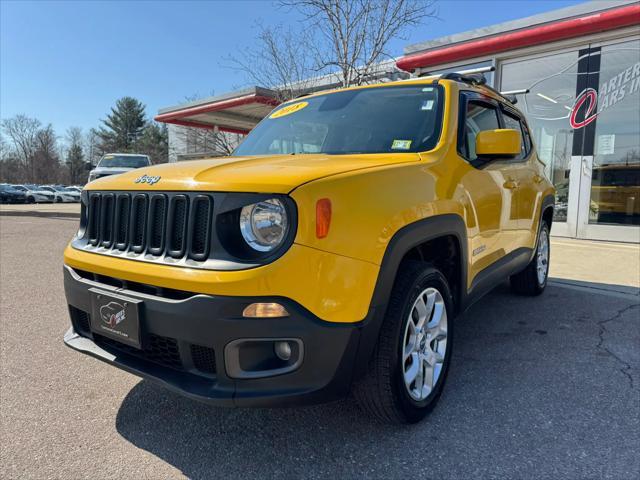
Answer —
514 123
479 116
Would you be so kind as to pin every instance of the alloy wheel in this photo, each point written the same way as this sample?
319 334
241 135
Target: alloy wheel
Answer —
542 262
425 344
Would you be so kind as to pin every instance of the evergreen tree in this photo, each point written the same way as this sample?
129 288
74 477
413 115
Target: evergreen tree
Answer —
123 127
155 142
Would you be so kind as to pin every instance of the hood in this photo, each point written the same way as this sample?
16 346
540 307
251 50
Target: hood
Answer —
264 174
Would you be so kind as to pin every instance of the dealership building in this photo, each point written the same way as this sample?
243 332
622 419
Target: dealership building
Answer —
580 67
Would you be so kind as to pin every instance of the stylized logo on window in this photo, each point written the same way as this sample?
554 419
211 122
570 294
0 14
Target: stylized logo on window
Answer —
590 97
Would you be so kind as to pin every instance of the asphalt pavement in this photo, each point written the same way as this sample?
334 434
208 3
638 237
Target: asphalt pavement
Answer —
545 387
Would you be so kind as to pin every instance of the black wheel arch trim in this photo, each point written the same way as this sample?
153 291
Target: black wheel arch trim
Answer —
549 201
401 243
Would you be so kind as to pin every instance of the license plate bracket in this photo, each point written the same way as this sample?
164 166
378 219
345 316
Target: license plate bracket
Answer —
116 316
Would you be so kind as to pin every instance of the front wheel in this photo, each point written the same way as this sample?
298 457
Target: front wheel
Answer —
411 360
533 279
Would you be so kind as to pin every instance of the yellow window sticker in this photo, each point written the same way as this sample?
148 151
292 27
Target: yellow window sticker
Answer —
289 109
401 145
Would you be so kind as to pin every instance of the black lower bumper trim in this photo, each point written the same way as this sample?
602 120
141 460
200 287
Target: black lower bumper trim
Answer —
211 323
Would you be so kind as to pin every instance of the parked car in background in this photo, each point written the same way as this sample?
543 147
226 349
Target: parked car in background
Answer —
62 195
35 194
8 194
73 192
114 163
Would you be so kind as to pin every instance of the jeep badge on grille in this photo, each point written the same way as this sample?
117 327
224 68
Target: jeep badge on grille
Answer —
147 179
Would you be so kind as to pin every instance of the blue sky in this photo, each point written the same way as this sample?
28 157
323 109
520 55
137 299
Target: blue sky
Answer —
66 63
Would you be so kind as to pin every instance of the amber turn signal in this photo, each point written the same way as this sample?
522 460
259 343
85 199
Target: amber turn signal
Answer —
323 217
265 310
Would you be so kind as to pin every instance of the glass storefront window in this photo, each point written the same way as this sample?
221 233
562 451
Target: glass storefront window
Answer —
552 82
615 178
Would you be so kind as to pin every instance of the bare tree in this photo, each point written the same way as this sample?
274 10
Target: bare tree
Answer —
355 34
46 157
93 151
22 132
347 37
279 62
74 156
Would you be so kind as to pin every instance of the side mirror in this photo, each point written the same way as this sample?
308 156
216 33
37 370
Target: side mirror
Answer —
500 143
88 166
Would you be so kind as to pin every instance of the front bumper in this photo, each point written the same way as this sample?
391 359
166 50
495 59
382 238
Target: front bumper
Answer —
212 323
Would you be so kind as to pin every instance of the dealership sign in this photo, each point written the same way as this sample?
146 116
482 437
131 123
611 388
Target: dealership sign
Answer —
611 92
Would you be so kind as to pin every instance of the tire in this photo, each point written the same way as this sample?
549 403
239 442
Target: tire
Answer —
58 200
382 392
533 280
31 200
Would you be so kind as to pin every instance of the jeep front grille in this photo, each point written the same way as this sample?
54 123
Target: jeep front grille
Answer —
173 225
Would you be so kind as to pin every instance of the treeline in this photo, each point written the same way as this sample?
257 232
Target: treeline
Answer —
31 152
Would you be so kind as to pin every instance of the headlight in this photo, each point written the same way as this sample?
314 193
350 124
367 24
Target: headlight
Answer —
264 224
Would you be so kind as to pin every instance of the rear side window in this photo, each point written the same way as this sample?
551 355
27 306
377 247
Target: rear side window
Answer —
479 116
514 123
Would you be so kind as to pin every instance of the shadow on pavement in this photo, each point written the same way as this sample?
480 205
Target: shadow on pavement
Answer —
42 214
534 391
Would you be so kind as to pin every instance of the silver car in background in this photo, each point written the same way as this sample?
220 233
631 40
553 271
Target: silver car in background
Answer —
62 194
36 193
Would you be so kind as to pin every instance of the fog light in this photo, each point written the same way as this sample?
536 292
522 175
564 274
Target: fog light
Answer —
265 310
283 350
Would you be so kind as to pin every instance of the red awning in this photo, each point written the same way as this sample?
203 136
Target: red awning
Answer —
570 28
237 112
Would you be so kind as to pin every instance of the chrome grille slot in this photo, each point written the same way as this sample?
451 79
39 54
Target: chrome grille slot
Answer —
93 233
177 226
106 220
156 224
138 223
123 204
199 228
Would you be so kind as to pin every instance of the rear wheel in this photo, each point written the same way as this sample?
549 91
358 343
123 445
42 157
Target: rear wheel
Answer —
31 200
410 363
58 200
533 279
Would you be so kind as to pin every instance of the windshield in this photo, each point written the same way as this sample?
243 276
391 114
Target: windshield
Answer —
7 188
124 161
403 118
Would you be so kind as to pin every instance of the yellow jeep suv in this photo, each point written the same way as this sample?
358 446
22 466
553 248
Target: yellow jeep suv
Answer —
331 252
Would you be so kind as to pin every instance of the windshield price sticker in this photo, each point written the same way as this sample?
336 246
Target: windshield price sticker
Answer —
289 109
401 145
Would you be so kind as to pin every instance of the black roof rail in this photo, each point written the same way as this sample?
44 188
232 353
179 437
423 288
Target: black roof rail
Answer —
472 79
478 80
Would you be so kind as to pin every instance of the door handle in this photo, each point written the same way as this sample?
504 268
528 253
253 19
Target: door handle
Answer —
510 184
